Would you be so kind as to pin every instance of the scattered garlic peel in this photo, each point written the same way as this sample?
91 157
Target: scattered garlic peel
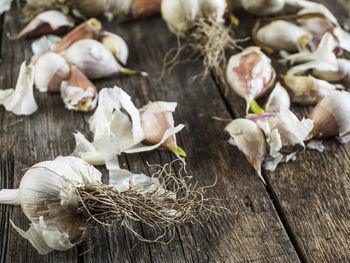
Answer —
20 100
343 37
316 145
44 44
10 197
278 98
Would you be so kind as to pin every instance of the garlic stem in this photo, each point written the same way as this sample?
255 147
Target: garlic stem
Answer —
129 72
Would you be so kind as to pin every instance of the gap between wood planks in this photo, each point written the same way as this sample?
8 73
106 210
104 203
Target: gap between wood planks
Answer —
268 187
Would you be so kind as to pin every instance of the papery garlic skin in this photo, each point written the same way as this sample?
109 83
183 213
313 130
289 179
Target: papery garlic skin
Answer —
281 35
307 90
115 131
48 22
250 74
116 45
50 70
92 58
341 75
78 93
20 100
331 115
249 139
278 98
44 45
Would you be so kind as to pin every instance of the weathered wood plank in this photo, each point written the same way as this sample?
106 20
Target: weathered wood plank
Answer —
252 232
312 193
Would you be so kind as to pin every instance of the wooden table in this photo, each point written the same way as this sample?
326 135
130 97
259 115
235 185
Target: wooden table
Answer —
302 215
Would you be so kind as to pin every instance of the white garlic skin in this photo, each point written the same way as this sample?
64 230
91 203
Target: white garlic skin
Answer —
281 35
181 15
263 7
341 75
278 98
50 70
116 45
92 58
249 139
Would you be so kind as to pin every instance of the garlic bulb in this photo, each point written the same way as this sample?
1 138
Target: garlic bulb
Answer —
20 100
341 75
251 75
78 93
181 15
90 29
115 132
249 139
60 199
307 90
281 35
330 115
156 119
92 58
50 70
279 98
48 22
116 45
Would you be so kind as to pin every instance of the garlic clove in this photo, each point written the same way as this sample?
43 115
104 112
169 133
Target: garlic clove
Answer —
156 118
340 75
92 58
251 75
87 30
249 139
20 100
281 35
116 45
49 22
307 90
331 115
78 93
144 8
50 70
263 8
278 98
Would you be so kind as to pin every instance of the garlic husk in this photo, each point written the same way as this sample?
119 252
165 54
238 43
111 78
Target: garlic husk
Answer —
331 115
343 38
78 93
156 118
93 59
181 15
50 70
48 22
116 45
50 196
250 74
307 90
323 58
281 35
20 100
5 6
114 131
44 45
90 29
340 75
278 98
316 145
249 139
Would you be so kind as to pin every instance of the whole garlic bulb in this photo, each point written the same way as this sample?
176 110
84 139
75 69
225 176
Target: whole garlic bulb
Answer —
48 198
181 15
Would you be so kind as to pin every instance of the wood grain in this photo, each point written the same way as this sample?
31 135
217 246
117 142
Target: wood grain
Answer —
239 236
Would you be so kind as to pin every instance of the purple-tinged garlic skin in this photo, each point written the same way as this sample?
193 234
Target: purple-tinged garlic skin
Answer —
79 93
48 22
155 120
281 35
249 138
250 73
331 115
341 76
93 59
50 70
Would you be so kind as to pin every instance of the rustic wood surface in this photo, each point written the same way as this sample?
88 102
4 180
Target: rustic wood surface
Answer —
303 214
